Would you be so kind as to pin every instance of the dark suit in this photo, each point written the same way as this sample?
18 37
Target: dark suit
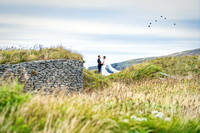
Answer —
99 65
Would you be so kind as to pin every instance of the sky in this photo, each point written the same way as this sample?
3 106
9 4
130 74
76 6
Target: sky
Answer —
117 29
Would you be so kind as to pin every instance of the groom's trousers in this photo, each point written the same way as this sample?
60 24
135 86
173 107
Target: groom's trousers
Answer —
99 69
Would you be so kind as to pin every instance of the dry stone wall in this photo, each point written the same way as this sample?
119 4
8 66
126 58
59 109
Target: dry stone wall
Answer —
47 75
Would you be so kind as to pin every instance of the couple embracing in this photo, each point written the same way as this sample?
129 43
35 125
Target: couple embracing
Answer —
103 65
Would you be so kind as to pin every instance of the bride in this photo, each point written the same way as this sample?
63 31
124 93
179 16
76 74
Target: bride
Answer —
108 66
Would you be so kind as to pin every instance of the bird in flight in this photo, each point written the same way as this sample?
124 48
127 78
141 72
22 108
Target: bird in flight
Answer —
163 17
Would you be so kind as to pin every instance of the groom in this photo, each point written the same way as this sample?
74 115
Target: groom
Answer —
99 64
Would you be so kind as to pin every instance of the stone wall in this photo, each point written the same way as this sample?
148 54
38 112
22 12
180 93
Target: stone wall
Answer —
47 74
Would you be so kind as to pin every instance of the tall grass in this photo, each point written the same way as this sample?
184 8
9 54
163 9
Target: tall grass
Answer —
108 110
17 55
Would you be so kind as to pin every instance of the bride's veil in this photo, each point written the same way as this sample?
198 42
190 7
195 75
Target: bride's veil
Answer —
111 68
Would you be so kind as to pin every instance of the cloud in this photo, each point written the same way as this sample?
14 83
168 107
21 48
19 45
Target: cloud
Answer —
173 8
89 27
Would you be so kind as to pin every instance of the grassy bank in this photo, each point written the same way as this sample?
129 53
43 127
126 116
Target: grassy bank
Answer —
13 56
173 66
110 110
94 81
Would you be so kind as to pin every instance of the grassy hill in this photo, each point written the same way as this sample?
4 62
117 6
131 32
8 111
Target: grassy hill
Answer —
138 99
174 66
124 64
154 69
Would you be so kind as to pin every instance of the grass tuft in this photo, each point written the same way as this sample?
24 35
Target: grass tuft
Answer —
14 56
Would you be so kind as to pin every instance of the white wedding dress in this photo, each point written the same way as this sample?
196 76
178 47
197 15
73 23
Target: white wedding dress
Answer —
105 72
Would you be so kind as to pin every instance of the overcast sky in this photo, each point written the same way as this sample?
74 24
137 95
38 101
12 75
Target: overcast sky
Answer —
115 28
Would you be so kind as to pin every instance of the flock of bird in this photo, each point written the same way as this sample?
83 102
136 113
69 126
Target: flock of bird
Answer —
157 21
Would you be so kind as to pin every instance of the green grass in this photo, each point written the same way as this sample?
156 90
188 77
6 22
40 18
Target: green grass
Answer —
174 66
179 66
94 81
104 110
14 56
137 72
11 94
109 103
